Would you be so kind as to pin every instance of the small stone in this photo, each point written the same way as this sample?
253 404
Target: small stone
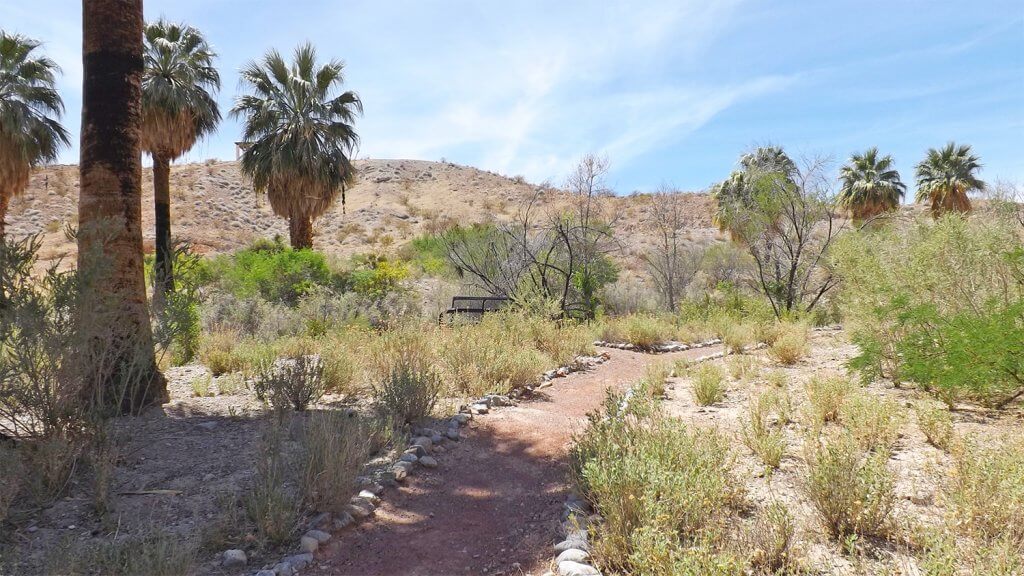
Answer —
209 425
462 419
577 539
367 495
573 555
452 433
233 558
408 457
320 520
569 568
478 409
423 442
319 535
439 450
266 573
497 400
299 561
308 544
284 569
428 462
344 520
360 508
436 439
400 473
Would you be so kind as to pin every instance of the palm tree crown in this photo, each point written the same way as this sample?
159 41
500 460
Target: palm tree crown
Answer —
178 87
736 191
946 176
30 133
300 134
869 185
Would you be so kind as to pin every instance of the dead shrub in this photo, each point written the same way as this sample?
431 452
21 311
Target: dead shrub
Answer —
790 344
937 425
769 541
335 445
873 422
852 490
296 382
825 396
11 479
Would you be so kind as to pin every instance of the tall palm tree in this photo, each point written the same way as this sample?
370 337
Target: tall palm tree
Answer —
29 108
946 176
736 191
110 201
869 185
300 136
178 107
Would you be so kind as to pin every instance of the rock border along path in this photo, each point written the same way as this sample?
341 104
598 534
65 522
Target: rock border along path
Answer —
492 503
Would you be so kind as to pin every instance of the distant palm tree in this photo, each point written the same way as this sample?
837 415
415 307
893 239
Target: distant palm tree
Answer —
178 108
735 192
946 176
869 185
300 136
29 107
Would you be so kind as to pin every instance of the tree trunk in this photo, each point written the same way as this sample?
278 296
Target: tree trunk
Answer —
110 205
4 200
163 266
300 231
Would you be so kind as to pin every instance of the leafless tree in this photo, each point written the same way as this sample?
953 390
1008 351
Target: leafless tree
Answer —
671 264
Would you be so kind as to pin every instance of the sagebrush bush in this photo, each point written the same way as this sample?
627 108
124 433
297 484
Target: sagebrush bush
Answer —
874 422
707 384
334 446
291 382
655 375
825 396
741 367
985 492
852 490
937 425
770 541
270 503
737 336
657 484
642 330
760 434
790 344
407 394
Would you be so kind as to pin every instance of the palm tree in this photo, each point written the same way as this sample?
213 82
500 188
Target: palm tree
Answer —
110 201
178 107
869 185
29 107
300 136
735 192
946 176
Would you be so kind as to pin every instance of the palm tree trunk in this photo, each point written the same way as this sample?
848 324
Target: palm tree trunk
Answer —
163 266
300 231
110 205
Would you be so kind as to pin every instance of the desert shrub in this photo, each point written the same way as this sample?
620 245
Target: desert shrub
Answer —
272 271
216 351
985 492
939 304
627 295
407 394
741 367
770 539
155 552
852 490
760 434
789 343
737 336
825 396
660 487
376 276
655 375
177 322
643 331
340 366
874 422
335 445
504 352
201 386
937 425
270 503
708 384
253 317
777 379
296 382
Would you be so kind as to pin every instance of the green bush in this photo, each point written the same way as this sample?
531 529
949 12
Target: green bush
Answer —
874 422
852 490
937 425
939 304
708 384
825 396
760 434
273 272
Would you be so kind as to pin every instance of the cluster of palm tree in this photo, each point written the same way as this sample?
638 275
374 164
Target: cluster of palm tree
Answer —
299 130
869 183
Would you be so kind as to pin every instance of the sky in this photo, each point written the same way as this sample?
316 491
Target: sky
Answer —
672 92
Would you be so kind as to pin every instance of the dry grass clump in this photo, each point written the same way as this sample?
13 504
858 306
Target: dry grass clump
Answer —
295 382
708 384
851 489
770 541
665 491
201 386
216 351
937 425
654 378
762 433
155 552
874 422
985 493
271 505
642 330
825 396
335 445
789 344
742 367
737 336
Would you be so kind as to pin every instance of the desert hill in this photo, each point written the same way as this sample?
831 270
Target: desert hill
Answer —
216 209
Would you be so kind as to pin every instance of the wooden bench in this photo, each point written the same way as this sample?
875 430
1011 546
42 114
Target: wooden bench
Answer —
474 306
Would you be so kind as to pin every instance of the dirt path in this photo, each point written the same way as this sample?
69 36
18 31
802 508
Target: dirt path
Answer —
493 504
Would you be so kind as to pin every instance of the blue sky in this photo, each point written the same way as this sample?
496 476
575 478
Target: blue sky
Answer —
671 91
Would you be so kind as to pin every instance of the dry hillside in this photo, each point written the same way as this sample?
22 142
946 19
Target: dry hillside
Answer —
215 209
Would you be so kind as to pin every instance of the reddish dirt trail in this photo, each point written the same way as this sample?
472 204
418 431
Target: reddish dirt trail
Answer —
492 506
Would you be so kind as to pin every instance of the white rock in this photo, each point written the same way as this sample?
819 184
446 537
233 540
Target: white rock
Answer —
478 409
367 495
233 558
569 568
573 555
400 473
308 544
266 573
